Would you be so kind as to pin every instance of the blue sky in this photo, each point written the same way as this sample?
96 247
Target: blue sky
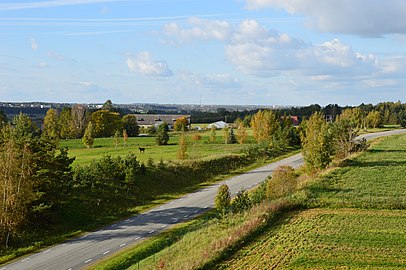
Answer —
266 52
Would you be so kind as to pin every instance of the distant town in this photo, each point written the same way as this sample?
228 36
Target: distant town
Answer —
37 110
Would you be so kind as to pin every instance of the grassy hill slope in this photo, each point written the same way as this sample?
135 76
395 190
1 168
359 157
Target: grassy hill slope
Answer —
357 220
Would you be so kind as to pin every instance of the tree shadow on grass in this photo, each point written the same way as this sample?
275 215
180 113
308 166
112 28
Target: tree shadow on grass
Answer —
272 226
381 163
386 150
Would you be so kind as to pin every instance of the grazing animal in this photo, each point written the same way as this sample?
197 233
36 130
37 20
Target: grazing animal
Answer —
142 150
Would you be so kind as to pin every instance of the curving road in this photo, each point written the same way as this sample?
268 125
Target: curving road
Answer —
80 252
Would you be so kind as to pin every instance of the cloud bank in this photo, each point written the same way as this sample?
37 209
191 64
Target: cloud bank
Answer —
255 50
360 17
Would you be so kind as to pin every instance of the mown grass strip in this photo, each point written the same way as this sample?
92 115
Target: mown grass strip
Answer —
329 239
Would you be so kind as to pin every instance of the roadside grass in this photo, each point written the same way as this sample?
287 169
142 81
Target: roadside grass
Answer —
358 220
196 150
361 231
202 247
328 239
376 179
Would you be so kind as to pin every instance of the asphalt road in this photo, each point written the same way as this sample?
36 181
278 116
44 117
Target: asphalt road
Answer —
80 252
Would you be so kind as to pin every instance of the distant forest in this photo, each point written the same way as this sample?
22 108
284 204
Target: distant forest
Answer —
392 113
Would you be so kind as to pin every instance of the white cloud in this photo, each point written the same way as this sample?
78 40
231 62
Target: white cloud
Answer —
201 29
144 65
256 50
360 17
34 44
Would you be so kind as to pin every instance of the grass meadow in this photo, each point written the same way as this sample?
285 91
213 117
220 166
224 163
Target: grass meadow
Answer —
196 150
357 220
353 217
328 239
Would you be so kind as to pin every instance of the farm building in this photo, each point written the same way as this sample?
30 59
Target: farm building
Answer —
147 120
218 125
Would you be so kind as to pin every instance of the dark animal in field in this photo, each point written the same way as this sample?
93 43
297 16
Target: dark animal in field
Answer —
142 150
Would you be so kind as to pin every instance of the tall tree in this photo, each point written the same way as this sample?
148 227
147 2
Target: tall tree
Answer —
79 119
232 139
116 138
264 124
24 127
241 133
108 105
162 136
355 116
343 136
130 124
316 144
226 135
66 130
16 185
105 123
212 137
50 128
181 124
88 137
182 152
374 119
125 137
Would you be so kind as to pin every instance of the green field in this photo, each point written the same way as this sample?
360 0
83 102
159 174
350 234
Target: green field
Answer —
376 179
106 146
329 239
358 220
353 218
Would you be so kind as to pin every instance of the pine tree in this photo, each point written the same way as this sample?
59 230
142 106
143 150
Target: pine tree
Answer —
232 139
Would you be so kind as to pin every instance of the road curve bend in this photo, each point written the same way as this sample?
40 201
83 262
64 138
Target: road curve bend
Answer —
91 247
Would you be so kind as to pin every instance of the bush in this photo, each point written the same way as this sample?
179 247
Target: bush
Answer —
259 194
283 182
223 198
241 202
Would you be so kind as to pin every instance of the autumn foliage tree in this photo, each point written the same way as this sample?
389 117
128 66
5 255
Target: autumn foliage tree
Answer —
106 123
182 152
35 178
241 133
316 143
181 124
88 137
264 124
223 199
51 128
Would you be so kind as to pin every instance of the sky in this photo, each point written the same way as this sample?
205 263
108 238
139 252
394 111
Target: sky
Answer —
256 52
